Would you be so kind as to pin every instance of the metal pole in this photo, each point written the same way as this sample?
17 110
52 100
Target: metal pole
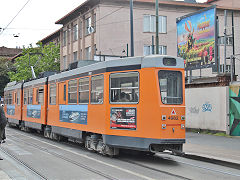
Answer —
231 57
131 27
225 40
152 44
127 50
157 38
233 45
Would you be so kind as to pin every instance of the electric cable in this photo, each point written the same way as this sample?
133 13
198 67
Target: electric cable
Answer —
14 17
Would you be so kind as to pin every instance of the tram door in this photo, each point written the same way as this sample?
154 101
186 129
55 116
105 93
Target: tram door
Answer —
62 90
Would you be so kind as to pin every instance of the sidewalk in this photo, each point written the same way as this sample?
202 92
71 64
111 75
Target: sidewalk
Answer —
213 147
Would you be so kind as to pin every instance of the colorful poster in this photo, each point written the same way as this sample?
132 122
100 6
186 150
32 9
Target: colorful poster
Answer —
196 39
34 111
73 113
123 118
11 110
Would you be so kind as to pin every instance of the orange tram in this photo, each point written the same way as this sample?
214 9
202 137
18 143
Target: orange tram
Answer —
132 103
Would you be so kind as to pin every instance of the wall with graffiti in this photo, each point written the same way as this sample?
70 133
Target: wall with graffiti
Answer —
234 109
196 39
207 108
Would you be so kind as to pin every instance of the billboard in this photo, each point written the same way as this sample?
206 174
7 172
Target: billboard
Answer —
196 37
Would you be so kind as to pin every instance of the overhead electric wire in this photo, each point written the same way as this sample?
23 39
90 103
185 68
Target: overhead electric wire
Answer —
15 17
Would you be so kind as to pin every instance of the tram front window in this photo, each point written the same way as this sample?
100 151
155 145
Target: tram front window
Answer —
171 87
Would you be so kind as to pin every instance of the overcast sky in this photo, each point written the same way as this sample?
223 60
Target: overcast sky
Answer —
35 21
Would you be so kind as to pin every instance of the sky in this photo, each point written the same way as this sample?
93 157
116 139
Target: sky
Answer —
34 22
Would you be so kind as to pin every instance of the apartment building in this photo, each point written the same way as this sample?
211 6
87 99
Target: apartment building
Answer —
102 28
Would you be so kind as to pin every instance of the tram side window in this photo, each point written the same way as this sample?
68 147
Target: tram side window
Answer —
25 96
83 90
30 96
72 91
18 97
10 98
52 94
40 96
97 83
171 87
124 87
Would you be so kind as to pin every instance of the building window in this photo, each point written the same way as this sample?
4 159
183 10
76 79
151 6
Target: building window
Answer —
147 50
97 83
88 53
75 32
64 62
229 40
75 56
124 87
52 94
88 27
149 23
72 91
64 38
84 90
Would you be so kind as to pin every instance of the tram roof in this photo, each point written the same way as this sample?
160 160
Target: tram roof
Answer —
13 85
105 66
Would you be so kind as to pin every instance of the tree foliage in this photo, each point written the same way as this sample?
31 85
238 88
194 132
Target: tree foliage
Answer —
42 58
5 67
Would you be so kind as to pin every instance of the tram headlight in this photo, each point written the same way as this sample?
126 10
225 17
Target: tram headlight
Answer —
164 117
182 126
164 126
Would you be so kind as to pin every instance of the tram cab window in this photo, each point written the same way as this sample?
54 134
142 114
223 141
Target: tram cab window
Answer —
83 90
97 84
124 87
52 94
171 87
72 91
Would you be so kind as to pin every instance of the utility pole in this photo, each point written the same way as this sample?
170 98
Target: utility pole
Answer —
131 27
225 41
157 39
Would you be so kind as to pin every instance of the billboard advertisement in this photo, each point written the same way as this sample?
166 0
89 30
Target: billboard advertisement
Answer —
196 37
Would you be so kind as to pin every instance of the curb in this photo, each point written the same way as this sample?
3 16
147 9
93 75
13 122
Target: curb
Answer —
212 160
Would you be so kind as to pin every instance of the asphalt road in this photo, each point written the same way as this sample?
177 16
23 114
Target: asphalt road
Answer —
31 156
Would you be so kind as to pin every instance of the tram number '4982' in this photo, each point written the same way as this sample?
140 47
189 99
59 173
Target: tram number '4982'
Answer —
173 117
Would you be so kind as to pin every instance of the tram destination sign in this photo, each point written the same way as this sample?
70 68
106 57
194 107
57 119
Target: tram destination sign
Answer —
196 39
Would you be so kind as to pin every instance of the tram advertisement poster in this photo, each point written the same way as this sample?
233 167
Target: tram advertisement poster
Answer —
34 111
123 118
196 39
10 110
73 113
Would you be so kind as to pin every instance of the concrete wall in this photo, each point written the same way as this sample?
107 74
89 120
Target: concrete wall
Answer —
207 108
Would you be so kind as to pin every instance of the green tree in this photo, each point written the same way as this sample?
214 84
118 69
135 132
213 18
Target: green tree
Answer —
5 67
43 58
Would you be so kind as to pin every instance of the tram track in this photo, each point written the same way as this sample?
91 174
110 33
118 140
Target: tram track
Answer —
67 159
24 164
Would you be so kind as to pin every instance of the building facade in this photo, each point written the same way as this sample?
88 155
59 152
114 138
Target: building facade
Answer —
102 28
